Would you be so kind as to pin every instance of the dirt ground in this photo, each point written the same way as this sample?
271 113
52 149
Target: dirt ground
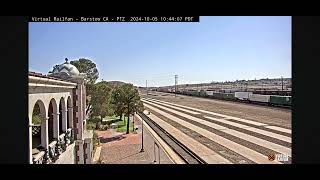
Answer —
264 114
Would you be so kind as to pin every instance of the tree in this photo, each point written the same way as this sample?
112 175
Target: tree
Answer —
36 120
139 107
118 102
90 69
131 101
54 68
101 100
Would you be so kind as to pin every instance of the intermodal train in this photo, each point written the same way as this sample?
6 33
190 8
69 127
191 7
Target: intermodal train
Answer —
248 97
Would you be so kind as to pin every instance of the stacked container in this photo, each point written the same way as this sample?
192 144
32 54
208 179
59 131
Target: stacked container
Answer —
242 95
259 98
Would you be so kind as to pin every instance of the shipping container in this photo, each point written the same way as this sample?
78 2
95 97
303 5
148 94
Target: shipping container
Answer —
227 91
228 96
216 95
280 100
259 98
242 95
209 93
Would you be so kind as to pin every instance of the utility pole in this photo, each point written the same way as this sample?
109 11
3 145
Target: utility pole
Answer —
142 150
175 84
147 87
282 82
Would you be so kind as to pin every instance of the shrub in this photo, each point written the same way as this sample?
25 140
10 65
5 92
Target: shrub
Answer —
95 138
36 119
103 127
91 125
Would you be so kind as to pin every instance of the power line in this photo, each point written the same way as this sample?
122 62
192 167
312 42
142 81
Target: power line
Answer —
282 82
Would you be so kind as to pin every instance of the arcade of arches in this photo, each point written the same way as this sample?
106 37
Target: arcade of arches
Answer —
56 121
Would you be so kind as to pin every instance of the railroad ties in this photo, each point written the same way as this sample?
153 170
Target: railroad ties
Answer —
221 139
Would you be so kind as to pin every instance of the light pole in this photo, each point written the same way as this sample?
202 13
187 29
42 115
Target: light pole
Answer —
133 122
135 105
142 150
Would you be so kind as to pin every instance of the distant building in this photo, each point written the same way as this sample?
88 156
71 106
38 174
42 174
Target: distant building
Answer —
57 134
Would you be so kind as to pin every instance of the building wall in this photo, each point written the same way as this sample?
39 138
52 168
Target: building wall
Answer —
79 152
44 94
88 147
67 157
78 112
46 98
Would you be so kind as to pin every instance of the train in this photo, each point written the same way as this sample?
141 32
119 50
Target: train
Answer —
247 97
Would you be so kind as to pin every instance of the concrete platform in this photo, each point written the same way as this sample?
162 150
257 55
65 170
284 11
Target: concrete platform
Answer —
121 148
202 151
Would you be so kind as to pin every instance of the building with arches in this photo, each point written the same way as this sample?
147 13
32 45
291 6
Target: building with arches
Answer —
57 117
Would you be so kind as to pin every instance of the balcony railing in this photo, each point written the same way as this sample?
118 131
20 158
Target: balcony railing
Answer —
56 148
39 158
69 136
53 151
62 142
36 130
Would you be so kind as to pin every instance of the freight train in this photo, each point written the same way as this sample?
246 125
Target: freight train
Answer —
248 97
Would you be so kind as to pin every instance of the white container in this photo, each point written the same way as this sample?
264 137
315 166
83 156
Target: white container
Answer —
259 98
210 93
242 95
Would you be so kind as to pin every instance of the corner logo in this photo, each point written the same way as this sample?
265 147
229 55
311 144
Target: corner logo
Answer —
271 157
278 157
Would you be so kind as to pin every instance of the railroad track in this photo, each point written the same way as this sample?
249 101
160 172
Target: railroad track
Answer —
234 100
184 152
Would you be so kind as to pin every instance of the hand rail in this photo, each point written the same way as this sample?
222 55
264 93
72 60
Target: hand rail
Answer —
154 150
38 158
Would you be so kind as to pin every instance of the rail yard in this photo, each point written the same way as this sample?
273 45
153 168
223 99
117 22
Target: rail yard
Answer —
223 132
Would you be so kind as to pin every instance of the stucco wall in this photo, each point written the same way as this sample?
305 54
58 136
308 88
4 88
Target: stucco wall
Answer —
67 157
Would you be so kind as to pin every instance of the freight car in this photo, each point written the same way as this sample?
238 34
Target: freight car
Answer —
280 100
228 96
242 96
247 97
259 99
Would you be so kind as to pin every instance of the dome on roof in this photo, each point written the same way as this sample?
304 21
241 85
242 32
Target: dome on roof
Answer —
67 68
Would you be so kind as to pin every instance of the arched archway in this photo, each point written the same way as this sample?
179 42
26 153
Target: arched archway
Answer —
62 116
38 126
53 124
69 113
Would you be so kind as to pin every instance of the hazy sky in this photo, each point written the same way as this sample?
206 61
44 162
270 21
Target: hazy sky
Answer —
214 49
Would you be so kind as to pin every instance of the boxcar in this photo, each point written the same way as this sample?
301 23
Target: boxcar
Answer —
280 100
259 98
217 95
209 93
228 96
242 95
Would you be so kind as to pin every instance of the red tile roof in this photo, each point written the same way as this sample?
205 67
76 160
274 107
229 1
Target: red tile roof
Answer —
45 76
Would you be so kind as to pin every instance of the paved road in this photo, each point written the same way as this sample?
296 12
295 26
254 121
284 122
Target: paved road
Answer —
234 139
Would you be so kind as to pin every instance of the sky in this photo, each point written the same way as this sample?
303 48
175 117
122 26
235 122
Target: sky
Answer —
214 49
